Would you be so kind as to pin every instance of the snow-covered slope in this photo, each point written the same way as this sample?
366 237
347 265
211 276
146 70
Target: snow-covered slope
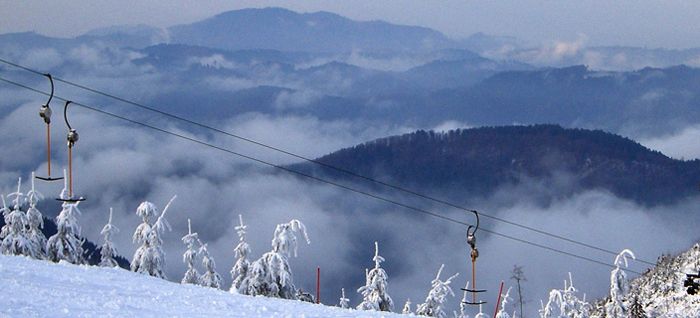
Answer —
33 288
660 290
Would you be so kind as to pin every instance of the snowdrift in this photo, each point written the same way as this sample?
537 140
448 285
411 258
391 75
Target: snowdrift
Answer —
42 289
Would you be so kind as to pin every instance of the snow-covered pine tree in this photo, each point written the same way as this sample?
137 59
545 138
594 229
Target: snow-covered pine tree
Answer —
305 296
147 211
149 258
565 303
619 287
407 307
554 303
435 301
364 291
575 307
190 256
210 278
239 271
107 250
6 217
481 313
502 313
270 275
343 300
35 222
463 305
65 244
637 309
16 241
375 295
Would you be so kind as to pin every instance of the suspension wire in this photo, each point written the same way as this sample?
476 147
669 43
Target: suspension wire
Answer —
320 180
325 165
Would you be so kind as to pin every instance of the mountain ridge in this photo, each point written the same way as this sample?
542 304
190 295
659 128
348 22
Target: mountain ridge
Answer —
286 30
482 160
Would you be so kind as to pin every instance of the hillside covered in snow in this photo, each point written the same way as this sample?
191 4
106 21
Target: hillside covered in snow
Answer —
43 289
660 291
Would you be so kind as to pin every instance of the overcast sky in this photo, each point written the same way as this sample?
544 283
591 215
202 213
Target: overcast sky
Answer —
650 23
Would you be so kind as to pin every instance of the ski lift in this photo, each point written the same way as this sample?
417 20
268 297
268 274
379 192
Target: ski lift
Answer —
72 138
691 284
45 113
474 254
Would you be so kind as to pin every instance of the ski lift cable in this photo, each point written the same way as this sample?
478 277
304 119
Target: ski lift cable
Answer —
325 165
321 180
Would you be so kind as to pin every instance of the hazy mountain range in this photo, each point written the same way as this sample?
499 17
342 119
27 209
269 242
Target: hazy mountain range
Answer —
325 86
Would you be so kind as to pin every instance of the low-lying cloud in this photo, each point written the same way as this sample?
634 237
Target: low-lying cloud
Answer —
118 166
680 145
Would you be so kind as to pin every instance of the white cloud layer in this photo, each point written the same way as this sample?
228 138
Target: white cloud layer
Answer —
119 166
680 145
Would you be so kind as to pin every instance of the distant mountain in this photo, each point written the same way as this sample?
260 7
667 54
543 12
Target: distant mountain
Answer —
134 36
415 88
137 37
609 58
15 44
464 72
491 44
479 161
285 30
649 100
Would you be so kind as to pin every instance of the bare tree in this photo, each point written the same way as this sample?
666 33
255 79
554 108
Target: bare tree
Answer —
519 276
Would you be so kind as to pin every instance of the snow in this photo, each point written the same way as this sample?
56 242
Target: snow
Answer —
660 290
34 288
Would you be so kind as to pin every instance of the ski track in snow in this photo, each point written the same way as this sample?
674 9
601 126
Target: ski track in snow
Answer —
34 288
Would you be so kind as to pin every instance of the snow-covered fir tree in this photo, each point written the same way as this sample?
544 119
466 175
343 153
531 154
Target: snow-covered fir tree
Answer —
148 212
65 244
344 302
35 223
502 313
107 250
15 241
375 294
149 258
463 306
619 287
365 292
270 275
305 296
637 309
481 313
435 301
239 271
190 255
565 303
407 307
210 278
6 218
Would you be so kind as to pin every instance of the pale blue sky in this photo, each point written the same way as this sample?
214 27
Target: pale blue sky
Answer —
651 23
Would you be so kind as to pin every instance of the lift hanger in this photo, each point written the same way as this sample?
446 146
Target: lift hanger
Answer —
45 113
